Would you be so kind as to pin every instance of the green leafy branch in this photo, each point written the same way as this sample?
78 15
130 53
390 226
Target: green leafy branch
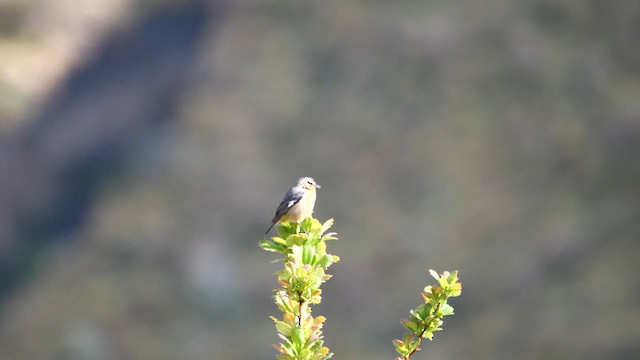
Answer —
305 263
428 317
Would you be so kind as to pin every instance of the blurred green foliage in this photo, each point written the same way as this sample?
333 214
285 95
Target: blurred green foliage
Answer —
498 138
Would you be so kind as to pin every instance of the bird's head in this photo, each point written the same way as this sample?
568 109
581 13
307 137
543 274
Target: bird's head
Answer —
307 183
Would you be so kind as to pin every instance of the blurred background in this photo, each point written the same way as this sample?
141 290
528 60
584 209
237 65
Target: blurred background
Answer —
144 146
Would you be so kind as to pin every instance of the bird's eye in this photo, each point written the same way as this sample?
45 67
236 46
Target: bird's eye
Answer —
309 182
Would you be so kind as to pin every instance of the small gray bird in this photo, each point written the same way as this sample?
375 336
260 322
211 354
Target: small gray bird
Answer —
297 203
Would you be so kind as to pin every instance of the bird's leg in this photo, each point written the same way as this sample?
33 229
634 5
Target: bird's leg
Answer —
301 228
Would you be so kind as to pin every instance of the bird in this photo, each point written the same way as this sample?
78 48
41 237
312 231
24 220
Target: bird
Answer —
297 204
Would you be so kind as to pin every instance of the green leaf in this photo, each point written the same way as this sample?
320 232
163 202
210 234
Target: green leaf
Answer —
269 245
443 280
307 223
434 274
455 290
413 344
301 273
327 225
446 309
296 254
423 311
283 303
410 325
297 337
400 346
279 240
296 239
453 278
311 226
325 261
283 328
321 248
308 253
287 228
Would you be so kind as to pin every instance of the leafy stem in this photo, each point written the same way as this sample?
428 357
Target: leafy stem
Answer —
419 337
305 263
427 318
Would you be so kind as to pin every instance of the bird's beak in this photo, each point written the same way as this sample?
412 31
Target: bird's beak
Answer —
317 186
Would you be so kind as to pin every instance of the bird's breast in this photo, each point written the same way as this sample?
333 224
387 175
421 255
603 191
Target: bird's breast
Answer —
304 208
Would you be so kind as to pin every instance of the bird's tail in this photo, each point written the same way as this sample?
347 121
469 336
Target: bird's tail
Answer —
270 227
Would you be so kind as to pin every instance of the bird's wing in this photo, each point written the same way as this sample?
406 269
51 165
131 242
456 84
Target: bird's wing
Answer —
291 198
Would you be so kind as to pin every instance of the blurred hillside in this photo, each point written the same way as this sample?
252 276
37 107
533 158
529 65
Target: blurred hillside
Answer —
144 147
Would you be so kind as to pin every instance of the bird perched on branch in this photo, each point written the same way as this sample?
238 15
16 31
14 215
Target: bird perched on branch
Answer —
297 203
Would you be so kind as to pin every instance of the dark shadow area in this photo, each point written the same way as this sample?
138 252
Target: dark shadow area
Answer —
111 105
